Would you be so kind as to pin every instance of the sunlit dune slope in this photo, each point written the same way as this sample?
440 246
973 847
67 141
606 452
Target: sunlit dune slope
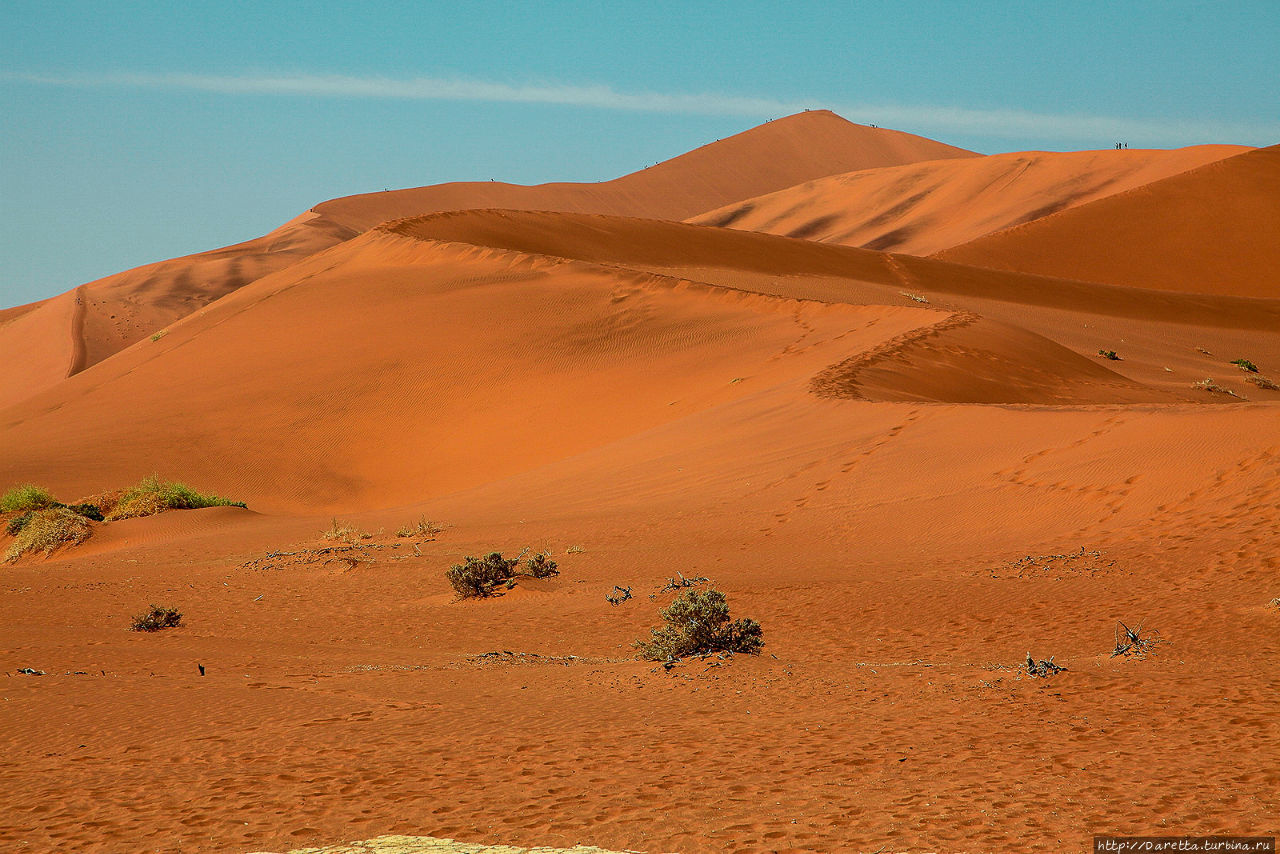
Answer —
805 269
1212 230
399 366
127 307
923 208
116 311
769 157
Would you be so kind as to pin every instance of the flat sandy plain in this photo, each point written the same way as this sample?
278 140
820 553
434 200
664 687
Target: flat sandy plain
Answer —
911 469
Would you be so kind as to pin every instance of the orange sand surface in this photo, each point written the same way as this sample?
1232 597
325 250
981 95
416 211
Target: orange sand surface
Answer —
1212 230
911 471
923 208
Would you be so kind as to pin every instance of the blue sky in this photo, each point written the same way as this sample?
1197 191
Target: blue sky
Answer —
136 131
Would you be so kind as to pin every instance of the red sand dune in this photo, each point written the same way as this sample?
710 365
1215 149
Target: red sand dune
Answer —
122 309
1212 230
922 208
440 330
911 472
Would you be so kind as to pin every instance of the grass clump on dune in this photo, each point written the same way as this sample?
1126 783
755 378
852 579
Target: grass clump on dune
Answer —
28 496
154 495
698 622
48 529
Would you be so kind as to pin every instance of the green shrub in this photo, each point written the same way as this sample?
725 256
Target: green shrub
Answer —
698 622
48 529
20 499
541 566
475 577
156 619
154 495
1109 354
1245 365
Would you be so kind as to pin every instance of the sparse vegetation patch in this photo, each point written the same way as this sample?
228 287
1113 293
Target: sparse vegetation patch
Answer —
698 622
424 529
343 532
47 530
1209 385
1109 354
1245 365
1263 382
154 495
155 619
26 497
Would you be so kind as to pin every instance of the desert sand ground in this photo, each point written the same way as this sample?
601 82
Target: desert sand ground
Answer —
911 471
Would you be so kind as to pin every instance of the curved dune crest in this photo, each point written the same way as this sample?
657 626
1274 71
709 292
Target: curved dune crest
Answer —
765 158
1212 230
922 208
969 359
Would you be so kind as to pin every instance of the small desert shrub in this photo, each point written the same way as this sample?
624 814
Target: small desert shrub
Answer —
574 550
1109 354
476 577
158 335
698 622
20 499
154 495
1263 382
1245 365
426 529
344 532
156 619
48 529
541 566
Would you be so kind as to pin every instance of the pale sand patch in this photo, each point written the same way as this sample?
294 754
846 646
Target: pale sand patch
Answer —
432 845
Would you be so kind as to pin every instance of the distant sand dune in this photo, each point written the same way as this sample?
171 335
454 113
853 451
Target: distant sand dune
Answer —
922 208
1212 230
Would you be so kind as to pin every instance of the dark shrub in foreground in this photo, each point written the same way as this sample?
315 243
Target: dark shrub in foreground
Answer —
476 577
156 619
698 622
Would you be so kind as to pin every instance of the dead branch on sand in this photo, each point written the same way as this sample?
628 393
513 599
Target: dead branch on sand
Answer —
618 595
1131 642
1043 668
680 582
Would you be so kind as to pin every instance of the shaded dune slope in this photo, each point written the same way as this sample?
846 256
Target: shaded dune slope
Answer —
1212 230
922 208
127 307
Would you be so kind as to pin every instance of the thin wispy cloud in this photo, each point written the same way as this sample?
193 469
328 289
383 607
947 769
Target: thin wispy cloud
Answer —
1017 124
